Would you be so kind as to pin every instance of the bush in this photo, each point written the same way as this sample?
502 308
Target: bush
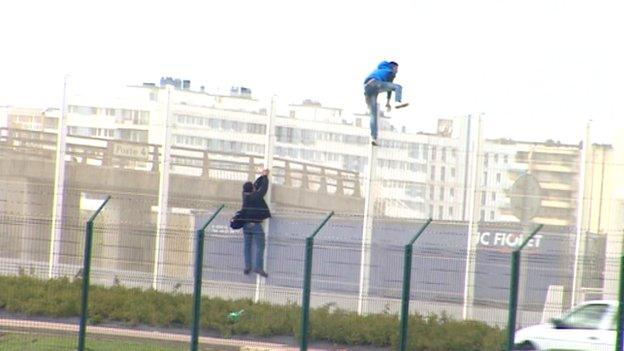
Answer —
32 297
133 306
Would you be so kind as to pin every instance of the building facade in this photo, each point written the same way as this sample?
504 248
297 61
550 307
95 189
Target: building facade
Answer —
418 175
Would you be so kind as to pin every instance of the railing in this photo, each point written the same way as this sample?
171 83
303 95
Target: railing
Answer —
185 161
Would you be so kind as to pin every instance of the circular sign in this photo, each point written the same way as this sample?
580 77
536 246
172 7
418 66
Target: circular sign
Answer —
526 197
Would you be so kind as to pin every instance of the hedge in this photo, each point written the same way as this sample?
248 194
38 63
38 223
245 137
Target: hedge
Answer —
25 295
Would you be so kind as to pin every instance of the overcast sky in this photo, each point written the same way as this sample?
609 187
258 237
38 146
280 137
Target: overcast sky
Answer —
536 69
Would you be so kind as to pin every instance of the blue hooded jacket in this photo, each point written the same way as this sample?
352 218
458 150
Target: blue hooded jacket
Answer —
382 73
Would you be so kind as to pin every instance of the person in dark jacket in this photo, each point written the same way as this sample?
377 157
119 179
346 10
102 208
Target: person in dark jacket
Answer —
255 211
378 81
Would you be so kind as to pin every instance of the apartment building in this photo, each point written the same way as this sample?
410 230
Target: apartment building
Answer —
552 167
418 174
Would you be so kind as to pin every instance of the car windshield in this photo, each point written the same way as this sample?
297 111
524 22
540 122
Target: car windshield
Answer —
586 317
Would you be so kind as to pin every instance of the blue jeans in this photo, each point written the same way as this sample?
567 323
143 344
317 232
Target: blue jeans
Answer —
371 90
254 232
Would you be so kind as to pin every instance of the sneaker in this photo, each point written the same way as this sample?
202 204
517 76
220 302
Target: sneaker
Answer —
374 142
246 271
262 273
402 104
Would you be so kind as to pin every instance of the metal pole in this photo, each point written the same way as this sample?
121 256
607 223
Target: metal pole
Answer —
407 272
199 264
579 246
367 230
513 289
473 214
268 163
307 282
59 189
619 341
467 160
305 304
513 299
86 273
407 277
163 193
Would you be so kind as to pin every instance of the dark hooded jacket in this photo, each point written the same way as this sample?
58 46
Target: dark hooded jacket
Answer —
255 208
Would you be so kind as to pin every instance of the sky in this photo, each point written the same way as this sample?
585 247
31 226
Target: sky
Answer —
534 69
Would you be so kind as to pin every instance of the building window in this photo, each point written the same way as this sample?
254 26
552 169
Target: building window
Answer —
495 158
482 215
442 194
483 196
486 158
485 175
452 192
431 211
493 196
443 154
83 110
440 212
431 192
442 173
452 172
506 158
432 172
433 152
413 151
450 211
498 178
491 215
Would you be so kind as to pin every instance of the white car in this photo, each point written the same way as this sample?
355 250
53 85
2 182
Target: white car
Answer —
589 326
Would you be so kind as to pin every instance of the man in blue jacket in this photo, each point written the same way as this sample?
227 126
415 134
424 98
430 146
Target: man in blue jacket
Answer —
378 81
255 210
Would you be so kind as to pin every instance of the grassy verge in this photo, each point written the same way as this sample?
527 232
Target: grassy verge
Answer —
60 298
30 342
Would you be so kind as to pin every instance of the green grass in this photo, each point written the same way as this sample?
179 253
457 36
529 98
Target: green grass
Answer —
29 342
130 307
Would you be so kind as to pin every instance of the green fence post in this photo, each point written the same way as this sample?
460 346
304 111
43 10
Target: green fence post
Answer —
86 273
513 289
513 298
619 341
307 282
199 264
407 278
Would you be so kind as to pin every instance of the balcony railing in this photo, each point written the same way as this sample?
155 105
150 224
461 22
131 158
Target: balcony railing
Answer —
185 161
